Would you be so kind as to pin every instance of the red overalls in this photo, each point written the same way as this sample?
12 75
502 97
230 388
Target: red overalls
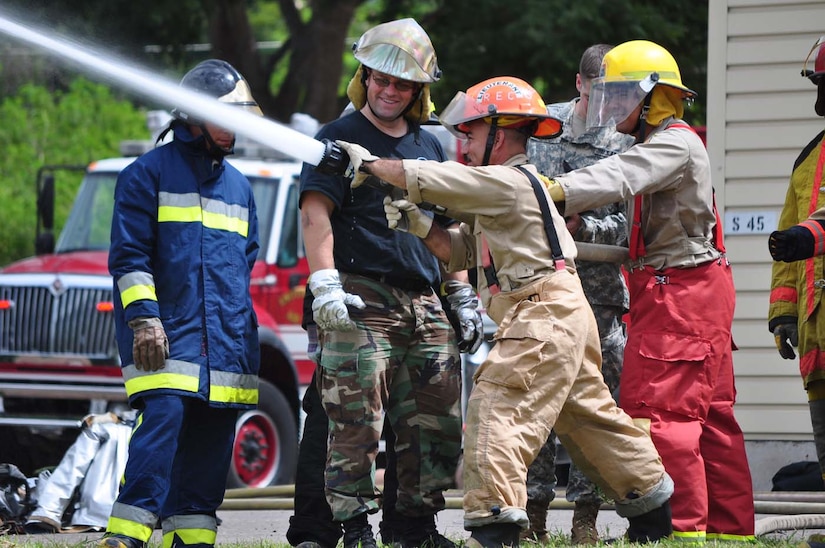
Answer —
677 380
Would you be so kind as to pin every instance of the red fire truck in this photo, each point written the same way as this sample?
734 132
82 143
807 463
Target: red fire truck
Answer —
58 358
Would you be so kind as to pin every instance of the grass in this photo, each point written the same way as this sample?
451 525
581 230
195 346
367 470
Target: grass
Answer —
557 540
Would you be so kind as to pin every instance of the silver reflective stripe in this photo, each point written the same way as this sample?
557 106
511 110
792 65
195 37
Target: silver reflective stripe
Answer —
235 380
170 199
193 199
179 367
228 210
134 279
134 514
194 521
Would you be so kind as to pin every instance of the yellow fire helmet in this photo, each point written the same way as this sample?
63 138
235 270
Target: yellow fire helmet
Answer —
628 73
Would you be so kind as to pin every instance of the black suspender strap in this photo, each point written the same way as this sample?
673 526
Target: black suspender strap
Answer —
549 227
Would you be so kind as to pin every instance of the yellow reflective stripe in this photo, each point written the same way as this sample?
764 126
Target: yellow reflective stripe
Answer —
181 209
190 536
171 214
120 526
735 538
697 537
157 380
218 221
224 222
231 394
138 293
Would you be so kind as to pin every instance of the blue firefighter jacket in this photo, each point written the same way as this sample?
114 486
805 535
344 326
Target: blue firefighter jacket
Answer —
184 241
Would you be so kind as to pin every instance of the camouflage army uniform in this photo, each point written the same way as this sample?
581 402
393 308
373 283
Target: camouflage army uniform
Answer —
404 353
603 283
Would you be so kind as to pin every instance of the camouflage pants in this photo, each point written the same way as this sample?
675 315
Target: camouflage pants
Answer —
402 362
541 476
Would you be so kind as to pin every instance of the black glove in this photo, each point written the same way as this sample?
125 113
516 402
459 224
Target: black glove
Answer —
786 336
463 303
794 244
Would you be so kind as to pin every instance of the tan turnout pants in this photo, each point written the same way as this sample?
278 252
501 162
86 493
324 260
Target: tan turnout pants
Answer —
544 372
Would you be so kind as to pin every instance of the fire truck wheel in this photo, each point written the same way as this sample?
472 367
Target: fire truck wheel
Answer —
265 451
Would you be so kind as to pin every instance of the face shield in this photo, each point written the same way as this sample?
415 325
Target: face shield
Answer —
611 102
814 66
460 111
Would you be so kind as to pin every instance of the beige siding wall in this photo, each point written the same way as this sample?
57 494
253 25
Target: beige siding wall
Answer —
760 115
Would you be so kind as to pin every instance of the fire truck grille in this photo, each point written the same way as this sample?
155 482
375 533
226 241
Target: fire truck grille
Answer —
74 322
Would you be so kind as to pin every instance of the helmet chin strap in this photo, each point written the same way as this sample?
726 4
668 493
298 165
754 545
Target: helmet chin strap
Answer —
491 139
641 124
217 152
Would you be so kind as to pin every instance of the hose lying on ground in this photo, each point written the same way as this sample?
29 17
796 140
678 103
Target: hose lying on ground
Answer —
802 510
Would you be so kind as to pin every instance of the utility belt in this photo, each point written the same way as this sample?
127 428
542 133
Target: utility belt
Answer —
405 283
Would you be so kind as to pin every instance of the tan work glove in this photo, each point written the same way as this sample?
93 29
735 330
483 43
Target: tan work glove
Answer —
358 156
150 347
405 216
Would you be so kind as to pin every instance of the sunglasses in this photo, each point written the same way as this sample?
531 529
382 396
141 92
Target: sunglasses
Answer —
399 85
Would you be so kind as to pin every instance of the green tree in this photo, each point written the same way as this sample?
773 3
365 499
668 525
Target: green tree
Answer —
307 62
40 127
542 41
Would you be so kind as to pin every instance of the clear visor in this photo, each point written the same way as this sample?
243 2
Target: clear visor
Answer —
814 66
611 102
460 111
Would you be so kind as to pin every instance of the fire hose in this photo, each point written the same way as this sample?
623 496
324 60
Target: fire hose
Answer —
328 157
794 510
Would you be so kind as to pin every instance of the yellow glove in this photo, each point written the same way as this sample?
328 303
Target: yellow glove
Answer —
358 156
555 189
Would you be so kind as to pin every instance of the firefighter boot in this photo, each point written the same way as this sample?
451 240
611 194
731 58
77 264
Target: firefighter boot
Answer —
537 532
119 541
584 523
358 533
494 535
651 526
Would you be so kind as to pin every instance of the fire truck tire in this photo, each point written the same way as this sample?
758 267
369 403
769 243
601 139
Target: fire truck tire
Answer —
265 451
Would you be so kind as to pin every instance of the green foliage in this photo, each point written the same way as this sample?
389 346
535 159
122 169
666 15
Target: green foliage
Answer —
84 123
542 41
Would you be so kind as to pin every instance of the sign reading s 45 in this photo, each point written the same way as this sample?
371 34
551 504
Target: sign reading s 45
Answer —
750 222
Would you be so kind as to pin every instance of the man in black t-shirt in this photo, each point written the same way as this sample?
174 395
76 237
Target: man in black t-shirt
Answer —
388 347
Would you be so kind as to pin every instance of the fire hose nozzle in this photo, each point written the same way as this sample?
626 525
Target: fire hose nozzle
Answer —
335 160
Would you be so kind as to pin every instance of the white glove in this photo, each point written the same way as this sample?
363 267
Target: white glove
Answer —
463 303
358 155
150 347
329 305
405 216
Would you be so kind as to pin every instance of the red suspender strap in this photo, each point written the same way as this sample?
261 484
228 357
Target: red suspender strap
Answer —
636 245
